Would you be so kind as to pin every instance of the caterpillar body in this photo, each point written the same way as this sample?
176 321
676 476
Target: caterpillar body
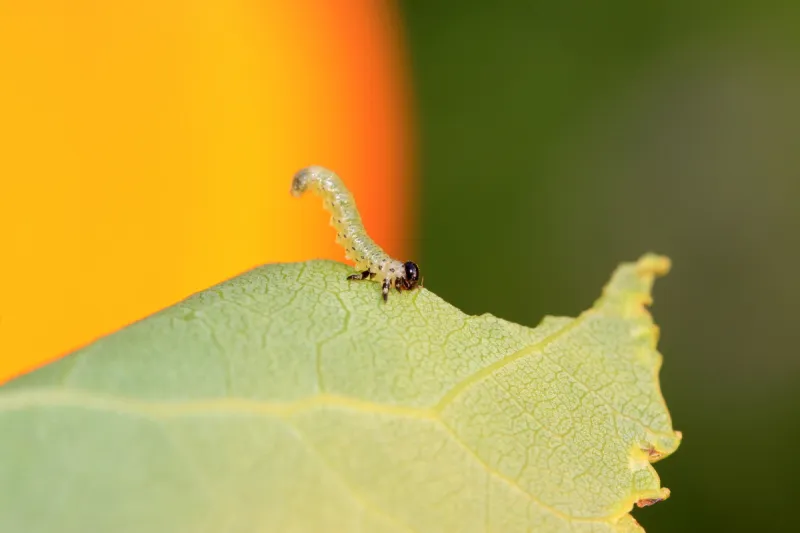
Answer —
370 259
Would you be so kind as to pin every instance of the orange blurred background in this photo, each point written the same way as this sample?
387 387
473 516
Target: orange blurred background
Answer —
147 148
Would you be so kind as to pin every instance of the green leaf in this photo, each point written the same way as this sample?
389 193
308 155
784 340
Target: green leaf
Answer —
290 400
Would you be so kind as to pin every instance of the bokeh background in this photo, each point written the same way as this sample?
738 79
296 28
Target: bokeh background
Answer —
559 138
147 148
518 152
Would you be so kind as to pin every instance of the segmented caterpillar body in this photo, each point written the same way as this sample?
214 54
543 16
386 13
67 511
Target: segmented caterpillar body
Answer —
369 258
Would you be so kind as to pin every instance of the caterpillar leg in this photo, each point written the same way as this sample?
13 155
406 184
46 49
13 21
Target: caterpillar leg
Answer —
386 285
363 275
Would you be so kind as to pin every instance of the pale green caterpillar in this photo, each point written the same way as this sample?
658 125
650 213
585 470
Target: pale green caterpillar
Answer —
370 258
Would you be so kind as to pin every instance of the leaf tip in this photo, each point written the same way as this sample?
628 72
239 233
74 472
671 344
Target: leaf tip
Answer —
651 264
646 502
629 291
658 447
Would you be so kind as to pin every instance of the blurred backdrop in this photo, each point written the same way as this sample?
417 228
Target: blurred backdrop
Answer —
518 152
558 138
147 148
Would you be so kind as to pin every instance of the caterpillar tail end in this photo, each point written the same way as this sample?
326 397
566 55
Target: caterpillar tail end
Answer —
299 183
302 179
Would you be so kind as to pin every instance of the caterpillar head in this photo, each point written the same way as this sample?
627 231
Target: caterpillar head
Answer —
411 278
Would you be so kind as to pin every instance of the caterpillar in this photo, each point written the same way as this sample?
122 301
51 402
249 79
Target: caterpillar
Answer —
370 259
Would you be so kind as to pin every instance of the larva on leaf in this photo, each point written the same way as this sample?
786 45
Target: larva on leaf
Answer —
371 261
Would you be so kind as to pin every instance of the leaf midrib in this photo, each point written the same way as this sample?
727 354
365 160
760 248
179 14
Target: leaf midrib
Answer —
284 411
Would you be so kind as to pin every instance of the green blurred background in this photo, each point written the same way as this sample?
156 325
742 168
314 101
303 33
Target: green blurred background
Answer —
559 139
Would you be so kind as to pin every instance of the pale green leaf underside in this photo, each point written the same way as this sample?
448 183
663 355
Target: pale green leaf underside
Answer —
290 400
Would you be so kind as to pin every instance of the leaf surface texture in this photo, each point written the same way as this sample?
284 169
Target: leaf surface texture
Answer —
290 400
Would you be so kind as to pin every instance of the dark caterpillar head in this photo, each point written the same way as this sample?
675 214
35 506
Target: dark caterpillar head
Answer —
411 278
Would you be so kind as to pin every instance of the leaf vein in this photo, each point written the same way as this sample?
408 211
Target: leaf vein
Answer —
513 484
357 495
466 383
